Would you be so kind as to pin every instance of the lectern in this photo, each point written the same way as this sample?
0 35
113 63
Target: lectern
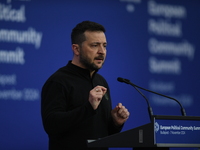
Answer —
162 133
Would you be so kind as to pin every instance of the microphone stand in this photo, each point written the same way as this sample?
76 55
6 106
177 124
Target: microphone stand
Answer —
183 112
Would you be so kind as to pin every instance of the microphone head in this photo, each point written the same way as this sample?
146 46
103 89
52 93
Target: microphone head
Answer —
120 79
123 80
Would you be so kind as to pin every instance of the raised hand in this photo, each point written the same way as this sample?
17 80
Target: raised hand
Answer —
120 114
96 95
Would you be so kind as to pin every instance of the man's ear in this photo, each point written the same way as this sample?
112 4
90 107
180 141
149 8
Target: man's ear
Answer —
76 49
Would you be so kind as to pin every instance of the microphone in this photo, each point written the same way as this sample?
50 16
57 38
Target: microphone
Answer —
136 86
150 110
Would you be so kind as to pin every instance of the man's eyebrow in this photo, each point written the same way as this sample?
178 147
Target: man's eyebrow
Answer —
99 43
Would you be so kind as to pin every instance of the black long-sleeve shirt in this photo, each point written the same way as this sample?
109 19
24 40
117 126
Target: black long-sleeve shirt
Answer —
67 115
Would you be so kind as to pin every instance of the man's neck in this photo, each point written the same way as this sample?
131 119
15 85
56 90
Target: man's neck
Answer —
81 66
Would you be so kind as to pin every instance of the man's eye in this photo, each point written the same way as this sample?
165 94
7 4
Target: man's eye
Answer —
94 45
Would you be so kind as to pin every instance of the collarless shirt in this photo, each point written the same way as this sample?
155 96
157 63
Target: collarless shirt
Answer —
68 117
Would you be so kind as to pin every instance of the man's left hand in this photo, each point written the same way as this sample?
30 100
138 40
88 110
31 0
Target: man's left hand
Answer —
120 114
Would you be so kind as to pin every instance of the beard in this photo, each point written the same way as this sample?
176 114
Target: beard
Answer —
86 61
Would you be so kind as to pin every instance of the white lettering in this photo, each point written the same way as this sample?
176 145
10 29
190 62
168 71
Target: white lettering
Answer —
187 128
196 128
27 37
8 79
11 94
167 11
162 86
9 14
175 132
164 28
31 94
186 100
164 132
165 127
175 127
12 57
171 48
164 66
26 94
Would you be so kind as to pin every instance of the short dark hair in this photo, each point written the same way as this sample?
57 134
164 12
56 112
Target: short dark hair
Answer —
77 35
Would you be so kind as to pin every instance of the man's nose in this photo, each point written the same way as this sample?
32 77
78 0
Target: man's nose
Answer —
101 49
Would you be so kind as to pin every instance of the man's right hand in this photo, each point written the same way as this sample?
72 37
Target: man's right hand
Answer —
96 95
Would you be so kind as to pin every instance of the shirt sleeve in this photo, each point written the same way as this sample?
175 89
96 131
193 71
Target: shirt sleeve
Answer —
56 119
112 128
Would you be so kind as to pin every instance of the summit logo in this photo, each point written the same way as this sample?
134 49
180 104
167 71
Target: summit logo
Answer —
156 127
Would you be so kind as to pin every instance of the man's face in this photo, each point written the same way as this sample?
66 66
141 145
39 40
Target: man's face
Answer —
93 50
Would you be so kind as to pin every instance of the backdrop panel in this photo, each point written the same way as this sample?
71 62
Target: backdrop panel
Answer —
153 43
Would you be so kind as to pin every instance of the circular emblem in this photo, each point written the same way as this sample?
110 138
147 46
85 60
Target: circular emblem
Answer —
156 126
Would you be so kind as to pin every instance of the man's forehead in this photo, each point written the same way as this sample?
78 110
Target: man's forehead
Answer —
95 36
94 33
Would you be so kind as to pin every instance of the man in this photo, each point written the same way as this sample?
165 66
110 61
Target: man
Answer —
76 103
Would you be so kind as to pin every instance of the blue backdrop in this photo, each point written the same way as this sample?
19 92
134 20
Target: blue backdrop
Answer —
154 43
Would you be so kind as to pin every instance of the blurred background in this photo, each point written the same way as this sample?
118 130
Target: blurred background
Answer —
153 43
